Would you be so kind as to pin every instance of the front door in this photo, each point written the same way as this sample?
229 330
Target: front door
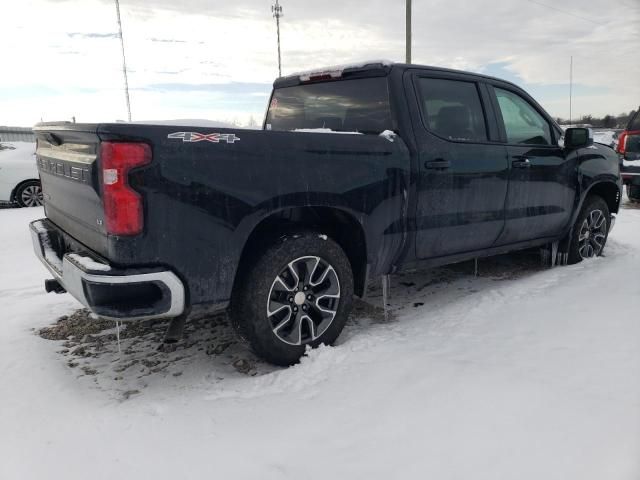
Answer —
541 181
463 171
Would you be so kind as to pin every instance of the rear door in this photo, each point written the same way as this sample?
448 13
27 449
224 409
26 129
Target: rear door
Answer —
541 179
462 183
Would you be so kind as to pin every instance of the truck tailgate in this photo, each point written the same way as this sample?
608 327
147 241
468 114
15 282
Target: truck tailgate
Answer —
67 156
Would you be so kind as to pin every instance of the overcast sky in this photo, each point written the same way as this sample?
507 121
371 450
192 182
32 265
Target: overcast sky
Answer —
216 59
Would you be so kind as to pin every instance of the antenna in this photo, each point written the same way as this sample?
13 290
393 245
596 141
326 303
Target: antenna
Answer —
276 9
570 88
408 32
124 62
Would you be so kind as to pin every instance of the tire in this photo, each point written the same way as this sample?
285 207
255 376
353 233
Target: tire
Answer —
298 294
590 232
29 194
633 192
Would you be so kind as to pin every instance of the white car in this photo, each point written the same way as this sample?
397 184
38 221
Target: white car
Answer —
19 180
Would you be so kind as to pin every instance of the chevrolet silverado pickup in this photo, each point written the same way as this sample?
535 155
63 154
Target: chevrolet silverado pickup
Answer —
358 172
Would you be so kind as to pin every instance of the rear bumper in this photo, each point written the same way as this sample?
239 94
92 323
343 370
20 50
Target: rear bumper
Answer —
111 293
630 169
630 178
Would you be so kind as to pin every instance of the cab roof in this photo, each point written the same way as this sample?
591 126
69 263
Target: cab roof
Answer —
368 68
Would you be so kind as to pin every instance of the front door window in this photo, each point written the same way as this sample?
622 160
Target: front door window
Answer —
523 124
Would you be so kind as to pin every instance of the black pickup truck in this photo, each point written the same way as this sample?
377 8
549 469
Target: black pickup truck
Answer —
359 172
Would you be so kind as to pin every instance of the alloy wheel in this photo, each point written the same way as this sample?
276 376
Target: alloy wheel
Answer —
593 233
303 300
31 196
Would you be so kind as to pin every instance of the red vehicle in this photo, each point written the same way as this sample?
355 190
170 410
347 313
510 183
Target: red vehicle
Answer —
629 149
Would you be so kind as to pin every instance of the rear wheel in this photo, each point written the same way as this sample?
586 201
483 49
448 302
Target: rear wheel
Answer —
298 294
29 194
590 230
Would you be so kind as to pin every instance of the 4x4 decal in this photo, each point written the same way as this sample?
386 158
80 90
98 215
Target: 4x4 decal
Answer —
205 137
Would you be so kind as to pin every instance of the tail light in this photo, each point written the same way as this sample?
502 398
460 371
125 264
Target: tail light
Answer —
622 141
123 209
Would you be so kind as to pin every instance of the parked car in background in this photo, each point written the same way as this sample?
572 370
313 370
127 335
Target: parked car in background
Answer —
629 150
19 179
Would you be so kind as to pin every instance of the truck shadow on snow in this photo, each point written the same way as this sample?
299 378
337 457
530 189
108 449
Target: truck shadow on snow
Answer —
211 352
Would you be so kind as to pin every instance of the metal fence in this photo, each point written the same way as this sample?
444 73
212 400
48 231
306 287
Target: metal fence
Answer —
16 134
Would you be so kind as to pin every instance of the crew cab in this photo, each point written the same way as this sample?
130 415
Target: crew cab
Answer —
359 172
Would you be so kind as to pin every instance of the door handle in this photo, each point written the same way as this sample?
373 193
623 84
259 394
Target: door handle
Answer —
521 162
438 164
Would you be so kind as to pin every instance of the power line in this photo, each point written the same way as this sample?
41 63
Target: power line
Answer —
566 12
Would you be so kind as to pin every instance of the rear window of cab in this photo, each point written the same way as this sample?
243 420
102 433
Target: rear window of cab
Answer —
358 105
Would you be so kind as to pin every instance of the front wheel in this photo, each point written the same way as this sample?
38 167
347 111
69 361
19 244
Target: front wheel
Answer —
298 294
590 230
29 194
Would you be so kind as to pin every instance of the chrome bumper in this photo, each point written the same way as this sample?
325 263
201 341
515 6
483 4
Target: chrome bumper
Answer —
111 293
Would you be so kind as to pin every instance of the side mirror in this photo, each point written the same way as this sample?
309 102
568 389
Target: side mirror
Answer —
578 138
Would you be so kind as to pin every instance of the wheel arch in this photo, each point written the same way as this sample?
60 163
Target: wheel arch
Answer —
338 224
607 190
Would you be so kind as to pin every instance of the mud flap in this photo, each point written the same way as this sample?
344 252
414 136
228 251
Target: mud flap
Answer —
562 256
386 285
175 329
548 254
556 253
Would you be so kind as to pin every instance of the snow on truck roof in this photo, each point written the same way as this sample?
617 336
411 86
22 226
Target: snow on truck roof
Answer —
336 70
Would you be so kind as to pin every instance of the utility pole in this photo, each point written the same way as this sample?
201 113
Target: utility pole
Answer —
570 88
124 62
276 9
408 33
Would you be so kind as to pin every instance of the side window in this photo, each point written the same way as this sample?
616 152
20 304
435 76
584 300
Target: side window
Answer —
452 109
522 122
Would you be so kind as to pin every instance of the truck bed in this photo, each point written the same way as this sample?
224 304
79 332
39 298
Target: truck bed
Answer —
203 196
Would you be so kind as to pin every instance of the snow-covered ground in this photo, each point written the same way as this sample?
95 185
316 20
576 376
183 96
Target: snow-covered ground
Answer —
520 373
